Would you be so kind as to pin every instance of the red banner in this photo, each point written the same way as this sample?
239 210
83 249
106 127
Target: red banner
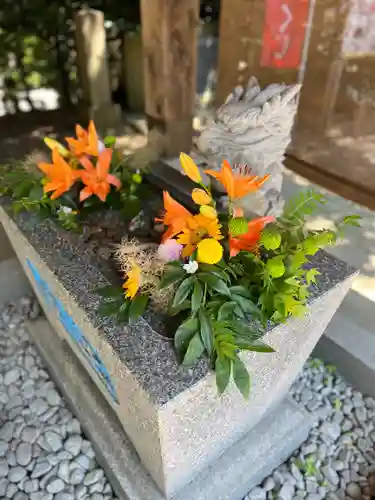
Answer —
284 33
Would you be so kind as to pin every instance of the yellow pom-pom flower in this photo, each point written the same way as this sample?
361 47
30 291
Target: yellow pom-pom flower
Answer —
201 197
209 251
208 212
190 168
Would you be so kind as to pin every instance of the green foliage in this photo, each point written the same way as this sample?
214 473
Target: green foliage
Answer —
226 306
114 303
238 226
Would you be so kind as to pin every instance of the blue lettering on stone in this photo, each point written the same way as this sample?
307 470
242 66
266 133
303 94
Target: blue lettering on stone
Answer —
75 333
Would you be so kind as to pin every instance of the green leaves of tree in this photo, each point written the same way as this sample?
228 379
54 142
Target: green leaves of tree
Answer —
197 297
223 368
184 334
194 350
183 291
206 330
241 377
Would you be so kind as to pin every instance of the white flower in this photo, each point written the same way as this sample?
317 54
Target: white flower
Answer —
191 267
65 210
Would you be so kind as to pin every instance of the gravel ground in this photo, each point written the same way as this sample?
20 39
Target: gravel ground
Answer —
337 461
44 454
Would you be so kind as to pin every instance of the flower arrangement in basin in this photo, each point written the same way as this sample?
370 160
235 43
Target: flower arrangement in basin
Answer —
86 175
223 275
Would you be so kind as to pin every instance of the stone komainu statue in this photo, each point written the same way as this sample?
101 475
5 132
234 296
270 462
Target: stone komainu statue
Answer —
253 128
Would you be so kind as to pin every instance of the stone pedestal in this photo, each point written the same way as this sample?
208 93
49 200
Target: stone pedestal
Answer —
173 416
93 70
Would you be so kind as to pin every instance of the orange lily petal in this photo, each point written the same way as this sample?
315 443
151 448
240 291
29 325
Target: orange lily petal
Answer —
102 190
92 139
84 160
227 178
111 179
103 163
249 241
85 193
45 167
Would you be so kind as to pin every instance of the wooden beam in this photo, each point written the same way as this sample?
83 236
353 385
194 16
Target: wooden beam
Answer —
239 44
169 36
260 38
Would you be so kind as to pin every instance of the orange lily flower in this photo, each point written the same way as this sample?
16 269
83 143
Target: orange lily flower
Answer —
236 183
98 180
250 240
60 175
87 142
175 216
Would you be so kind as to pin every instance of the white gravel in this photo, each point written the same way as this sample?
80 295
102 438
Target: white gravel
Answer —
45 456
43 452
338 459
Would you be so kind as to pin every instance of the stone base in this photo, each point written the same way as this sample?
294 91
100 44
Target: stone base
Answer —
13 282
351 348
229 478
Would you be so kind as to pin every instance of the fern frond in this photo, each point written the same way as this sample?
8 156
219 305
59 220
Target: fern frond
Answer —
301 205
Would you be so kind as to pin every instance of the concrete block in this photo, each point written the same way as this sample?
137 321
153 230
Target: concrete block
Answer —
173 416
230 477
352 349
13 281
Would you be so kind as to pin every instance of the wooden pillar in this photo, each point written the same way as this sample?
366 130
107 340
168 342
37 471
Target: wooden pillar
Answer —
241 24
93 70
169 35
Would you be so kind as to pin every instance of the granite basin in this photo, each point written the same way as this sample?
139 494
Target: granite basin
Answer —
173 416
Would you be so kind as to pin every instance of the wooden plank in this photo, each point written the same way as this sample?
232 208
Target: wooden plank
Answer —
243 24
239 44
169 36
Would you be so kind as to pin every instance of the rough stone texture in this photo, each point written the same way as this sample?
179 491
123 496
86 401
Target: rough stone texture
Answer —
166 410
253 127
242 467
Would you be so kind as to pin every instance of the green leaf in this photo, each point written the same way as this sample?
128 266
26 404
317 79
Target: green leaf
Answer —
223 368
197 297
22 189
235 269
109 141
270 239
226 310
241 377
123 312
275 267
214 283
36 193
247 306
352 220
184 334
206 330
110 291
212 269
171 276
292 281
257 346
194 351
109 309
310 276
227 349
137 306
304 203
183 291
240 290
238 226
